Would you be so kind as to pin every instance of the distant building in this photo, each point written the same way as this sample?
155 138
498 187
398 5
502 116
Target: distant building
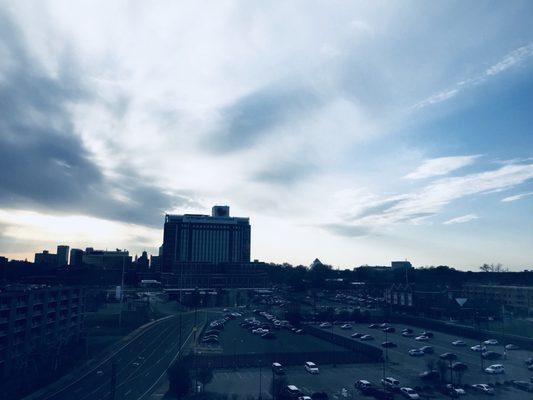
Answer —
46 259
105 259
195 238
76 258
37 320
62 255
401 265
513 298
142 263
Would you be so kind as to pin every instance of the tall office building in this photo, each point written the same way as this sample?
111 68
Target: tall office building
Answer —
76 257
212 239
62 255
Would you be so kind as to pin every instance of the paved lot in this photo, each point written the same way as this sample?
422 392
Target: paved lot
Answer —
237 340
245 383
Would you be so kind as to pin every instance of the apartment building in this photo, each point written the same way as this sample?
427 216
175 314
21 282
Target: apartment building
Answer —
513 298
37 320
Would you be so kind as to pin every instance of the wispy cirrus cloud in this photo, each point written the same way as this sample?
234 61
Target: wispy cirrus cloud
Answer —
416 206
510 60
517 197
441 166
461 220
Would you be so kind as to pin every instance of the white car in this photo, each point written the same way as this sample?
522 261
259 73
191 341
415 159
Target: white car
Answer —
416 352
484 388
422 338
492 342
391 384
495 369
346 326
512 347
366 338
459 343
325 325
311 367
409 393
478 348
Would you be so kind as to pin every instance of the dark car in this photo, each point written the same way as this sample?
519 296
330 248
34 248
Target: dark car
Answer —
427 349
448 356
523 385
529 361
427 334
449 390
389 329
429 375
357 335
373 326
268 335
388 345
407 330
491 355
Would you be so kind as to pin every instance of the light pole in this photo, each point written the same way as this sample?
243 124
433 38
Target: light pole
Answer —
260 382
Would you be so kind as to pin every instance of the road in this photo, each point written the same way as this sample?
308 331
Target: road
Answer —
141 364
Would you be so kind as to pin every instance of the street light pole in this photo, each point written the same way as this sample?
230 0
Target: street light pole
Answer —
260 381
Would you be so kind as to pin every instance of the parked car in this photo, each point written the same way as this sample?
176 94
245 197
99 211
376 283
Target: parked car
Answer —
408 334
362 385
483 388
448 356
427 349
491 342
407 330
459 343
277 369
311 367
478 348
366 338
389 344
416 353
292 392
391 384
529 361
512 347
373 326
495 369
378 393
357 335
428 334
389 329
491 355
422 338
268 335
409 393
523 385
346 326
325 325
430 375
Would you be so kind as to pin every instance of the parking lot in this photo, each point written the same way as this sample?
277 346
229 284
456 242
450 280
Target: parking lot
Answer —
332 379
235 339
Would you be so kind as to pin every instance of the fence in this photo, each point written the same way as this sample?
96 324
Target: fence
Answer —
227 361
365 351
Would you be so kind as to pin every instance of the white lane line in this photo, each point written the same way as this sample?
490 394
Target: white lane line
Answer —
158 380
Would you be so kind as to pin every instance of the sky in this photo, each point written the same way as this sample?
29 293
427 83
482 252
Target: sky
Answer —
355 132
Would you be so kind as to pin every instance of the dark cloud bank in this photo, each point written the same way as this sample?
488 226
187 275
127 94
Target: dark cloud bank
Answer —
44 165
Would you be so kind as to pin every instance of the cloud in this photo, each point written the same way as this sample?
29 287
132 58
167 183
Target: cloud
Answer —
461 220
512 59
517 197
441 166
416 206
44 164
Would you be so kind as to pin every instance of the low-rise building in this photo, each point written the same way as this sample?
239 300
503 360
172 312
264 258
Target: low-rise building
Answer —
513 298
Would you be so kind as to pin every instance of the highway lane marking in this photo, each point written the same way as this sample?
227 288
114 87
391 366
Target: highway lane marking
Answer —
88 373
165 372
128 392
128 365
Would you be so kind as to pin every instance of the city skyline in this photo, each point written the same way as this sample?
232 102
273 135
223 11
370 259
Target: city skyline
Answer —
356 134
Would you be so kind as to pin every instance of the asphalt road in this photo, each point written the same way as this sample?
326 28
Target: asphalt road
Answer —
140 364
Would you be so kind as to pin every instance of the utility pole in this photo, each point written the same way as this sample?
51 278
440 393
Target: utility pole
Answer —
113 393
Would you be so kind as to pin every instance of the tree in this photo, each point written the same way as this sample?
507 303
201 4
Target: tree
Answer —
493 268
179 379
205 375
